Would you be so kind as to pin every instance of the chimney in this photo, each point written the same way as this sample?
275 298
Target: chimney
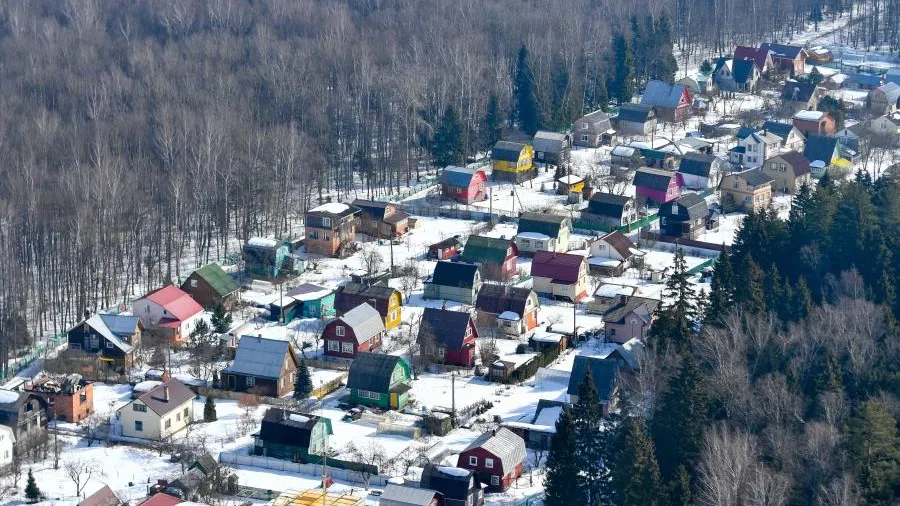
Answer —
165 393
623 299
259 337
494 432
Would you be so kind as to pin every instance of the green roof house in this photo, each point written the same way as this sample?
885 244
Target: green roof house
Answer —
211 286
496 257
381 380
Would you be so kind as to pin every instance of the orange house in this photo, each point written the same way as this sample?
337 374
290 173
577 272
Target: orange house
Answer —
70 399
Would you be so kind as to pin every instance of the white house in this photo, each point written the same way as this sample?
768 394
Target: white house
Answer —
701 172
887 128
7 442
611 254
756 148
170 309
163 411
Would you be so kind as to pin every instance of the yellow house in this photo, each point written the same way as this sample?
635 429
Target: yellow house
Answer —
746 191
512 161
158 414
570 183
386 300
394 311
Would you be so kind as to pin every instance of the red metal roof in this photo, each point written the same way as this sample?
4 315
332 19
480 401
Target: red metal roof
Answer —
174 300
161 499
561 267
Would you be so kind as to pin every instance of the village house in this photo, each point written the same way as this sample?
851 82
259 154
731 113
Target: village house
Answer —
799 96
261 366
103 497
381 380
403 495
687 216
559 275
551 148
672 102
698 83
211 286
755 148
331 230
814 122
689 145
593 130
69 398
313 301
447 337
380 220
538 433
7 446
657 158
112 338
512 162
635 119
625 157
463 185
570 184
496 257
169 312
543 232
862 81
359 330
822 152
892 76
610 211
456 281
736 75
656 186
884 99
791 138
605 375
460 487
264 258
158 414
856 135
497 457
746 191
23 412
701 172
787 59
789 171
761 57
887 128
518 306
611 254
388 301
446 249
291 435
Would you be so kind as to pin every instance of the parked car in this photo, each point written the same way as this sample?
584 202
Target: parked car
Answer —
353 415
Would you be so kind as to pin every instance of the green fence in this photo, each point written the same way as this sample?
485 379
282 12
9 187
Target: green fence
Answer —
631 227
29 358
698 268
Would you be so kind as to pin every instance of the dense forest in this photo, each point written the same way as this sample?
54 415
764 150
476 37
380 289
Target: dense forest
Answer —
779 388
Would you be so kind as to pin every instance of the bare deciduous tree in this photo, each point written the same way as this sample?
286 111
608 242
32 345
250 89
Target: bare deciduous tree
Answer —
726 465
81 471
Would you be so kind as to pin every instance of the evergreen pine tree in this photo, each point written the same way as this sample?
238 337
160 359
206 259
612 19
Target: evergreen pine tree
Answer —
526 102
447 146
635 479
815 77
590 440
492 126
623 80
32 492
706 68
561 487
682 310
666 65
220 319
678 424
802 302
826 374
774 294
678 489
303 382
875 446
639 45
721 294
209 409
752 295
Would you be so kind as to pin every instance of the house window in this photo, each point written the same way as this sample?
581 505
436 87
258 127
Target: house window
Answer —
489 463
473 460
735 184
334 345
584 138
312 234
177 417
168 423
193 283
280 382
324 236
441 352
584 126
326 222
495 480
526 242
612 332
187 413
251 381
109 344
347 347
140 408
139 426
339 331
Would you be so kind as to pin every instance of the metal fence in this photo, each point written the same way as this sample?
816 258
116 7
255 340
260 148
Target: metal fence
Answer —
313 470
38 352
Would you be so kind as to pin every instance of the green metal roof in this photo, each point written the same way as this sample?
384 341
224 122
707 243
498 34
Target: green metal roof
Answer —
218 279
481 249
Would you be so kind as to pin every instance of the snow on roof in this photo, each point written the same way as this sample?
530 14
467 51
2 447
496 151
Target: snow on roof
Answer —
331 208
8 396
817 164
533 235
570 179
97 323
508 315
146 386
518 359
548 416
262 242
454 471
622 151
298 418
604 262
542 336
611 290
809 115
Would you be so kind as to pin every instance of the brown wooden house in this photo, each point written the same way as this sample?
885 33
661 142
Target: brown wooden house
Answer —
331 230
360 329
381 220
211 286
261 366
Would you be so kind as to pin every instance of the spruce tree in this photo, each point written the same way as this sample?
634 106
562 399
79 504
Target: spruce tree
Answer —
303 382
774 293
678 489
681 312
635 479
721 294
802 301
706 67
447 146
526 102
32 492
665 64
679 421
873 442
561 487
492 125
220 319
752 295
590 440
623 76
209 409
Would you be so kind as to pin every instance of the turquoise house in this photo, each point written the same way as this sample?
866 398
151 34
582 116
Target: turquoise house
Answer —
378 379
312 301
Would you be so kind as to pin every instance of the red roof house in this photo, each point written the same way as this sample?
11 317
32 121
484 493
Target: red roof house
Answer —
496 457
161 499
360 329
463 184
169 311
559 275
762 57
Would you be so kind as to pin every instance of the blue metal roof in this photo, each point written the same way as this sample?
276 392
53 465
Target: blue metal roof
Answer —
457 176
120 325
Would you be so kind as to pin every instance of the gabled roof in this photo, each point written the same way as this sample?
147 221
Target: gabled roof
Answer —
865 79
809 115
335 209
755 177
743 70
603 371
763 137
643 305
444 327
782 50
98 323
218 279
549 142
557 266
662 94
797 91
541 223
455 274
179 304
695 205
507 151
654 179
122 325
453 482
696 164
288 427
396 495
448 243
751 53
258 356
821 148
797 161
156 399
161 499
365 321
483 249
372 371
596 117
891 92
619 242
103 497
308 291
502 443
635 113
373 207
498 298
457 176
376 291
778 128
608 204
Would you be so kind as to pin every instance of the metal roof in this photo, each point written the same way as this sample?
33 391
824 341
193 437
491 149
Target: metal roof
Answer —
507 151
655 179
696 164
365 321
372 371
635 113
550 142
217 278
483 249
557 266
97 323
458 176
659 93
455 274
258 356
502 443
400 495
166 397
603 372
120 324
444 327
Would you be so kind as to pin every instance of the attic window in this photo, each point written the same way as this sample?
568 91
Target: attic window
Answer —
339 331
326 222
674 208
584 126
193 283
473 460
